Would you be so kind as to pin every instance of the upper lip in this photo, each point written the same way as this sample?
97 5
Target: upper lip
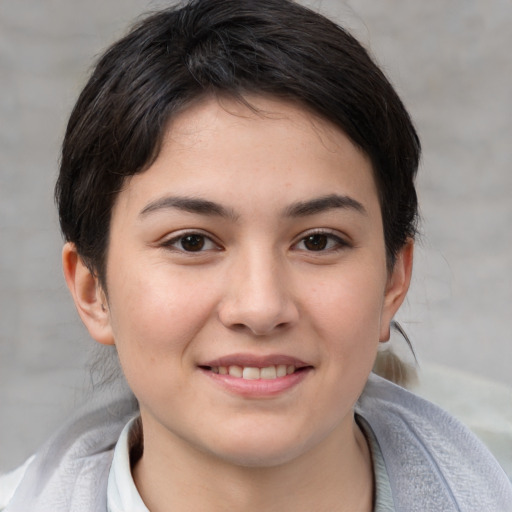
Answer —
255 361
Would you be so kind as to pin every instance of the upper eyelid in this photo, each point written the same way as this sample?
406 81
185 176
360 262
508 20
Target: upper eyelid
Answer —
341 242
176 235
322 231
172 238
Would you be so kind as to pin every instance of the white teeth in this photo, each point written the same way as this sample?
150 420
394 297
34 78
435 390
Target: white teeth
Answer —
281 370
236 371
268 373
253 373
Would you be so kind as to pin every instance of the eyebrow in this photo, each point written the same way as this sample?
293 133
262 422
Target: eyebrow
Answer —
210 208
322 204
189 204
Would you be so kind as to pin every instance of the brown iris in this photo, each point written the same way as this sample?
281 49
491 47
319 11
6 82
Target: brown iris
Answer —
316 242
192 243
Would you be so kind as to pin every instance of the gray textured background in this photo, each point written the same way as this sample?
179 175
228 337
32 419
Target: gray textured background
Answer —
450 61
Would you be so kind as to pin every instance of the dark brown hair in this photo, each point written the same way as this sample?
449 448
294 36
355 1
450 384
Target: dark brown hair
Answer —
235 48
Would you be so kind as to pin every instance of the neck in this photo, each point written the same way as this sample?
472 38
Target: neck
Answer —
335 475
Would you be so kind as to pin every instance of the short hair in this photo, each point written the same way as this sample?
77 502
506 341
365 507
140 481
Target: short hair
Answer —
231 47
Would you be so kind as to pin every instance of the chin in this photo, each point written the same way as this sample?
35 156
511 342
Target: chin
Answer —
261 451
260 458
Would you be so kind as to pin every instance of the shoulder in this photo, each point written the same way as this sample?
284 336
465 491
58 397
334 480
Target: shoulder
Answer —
433 461
70 472
484 405
9 482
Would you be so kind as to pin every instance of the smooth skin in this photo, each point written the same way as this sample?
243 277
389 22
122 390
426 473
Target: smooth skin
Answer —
253 233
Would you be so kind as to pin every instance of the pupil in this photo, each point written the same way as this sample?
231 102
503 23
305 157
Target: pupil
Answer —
192 242
316 242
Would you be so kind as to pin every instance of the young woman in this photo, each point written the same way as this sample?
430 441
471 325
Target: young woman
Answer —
237 197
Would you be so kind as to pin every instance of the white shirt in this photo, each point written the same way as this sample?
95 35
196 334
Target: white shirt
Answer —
122 494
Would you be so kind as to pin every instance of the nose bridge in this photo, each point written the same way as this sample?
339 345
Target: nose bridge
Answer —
259 296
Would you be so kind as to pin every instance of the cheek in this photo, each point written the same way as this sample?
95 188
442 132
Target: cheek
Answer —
347 312
155 316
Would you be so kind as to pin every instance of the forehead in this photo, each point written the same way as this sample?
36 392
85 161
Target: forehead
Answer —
247 118
234 152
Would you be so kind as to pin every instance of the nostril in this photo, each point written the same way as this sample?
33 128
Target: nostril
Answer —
259 315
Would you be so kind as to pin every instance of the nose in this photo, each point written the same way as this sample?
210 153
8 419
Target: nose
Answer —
259 297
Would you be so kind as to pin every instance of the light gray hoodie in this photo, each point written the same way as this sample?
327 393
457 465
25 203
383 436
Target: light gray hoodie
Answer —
434 463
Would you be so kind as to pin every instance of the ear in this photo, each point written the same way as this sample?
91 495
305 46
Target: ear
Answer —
88 295
396 288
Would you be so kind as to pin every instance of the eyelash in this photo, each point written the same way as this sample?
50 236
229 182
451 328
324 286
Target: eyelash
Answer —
331 242
337 242
204 238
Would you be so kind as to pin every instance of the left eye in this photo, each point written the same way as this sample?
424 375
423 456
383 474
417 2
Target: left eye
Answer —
191 242
320 242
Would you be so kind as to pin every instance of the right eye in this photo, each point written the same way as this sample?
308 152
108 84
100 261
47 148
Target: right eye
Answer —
191 242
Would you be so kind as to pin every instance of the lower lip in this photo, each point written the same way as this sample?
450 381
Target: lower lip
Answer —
258 388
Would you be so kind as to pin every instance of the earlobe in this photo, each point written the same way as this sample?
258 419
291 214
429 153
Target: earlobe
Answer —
88 295
397 287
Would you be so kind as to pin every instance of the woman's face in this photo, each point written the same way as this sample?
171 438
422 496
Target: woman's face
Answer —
247 282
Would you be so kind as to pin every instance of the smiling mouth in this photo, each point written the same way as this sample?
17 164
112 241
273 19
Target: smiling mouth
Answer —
254 373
